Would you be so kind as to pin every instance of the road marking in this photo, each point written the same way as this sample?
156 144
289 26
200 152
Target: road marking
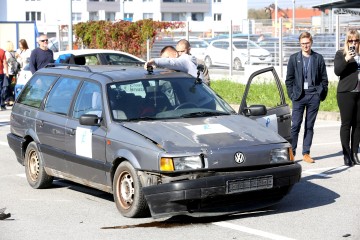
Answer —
314 172
23 175
323 144
4 143
251 231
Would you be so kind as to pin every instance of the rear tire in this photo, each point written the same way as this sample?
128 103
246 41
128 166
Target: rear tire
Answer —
34 168
128 194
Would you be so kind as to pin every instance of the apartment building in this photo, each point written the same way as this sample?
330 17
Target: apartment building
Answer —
50 14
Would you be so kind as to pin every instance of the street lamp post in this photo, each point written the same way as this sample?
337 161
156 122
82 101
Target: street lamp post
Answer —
293 23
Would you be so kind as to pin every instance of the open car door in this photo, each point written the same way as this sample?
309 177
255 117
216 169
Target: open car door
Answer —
258 105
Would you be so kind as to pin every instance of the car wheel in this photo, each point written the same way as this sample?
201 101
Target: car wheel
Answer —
207 61
34 168
237 64
128 194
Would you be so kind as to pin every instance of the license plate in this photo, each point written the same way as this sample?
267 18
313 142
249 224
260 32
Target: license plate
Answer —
249 184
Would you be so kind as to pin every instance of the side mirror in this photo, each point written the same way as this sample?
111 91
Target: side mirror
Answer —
255 110
90 120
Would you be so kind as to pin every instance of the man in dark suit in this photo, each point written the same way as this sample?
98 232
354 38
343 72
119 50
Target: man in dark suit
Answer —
306 84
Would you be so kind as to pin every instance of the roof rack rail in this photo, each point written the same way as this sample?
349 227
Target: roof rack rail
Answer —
86 68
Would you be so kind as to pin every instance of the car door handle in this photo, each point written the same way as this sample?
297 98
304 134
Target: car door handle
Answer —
71 131
40 123
285 117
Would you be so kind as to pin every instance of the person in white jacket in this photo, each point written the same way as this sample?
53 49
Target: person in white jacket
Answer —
171 60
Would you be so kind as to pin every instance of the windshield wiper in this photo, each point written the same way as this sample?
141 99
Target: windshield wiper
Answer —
203 114
141 118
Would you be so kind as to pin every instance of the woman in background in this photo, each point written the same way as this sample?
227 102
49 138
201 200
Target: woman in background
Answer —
23 53
347 67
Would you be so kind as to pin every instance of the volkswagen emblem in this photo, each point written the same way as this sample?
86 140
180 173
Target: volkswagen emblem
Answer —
239 157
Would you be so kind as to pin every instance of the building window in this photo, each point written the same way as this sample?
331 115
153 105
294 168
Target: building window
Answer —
128 16
93 16
217 17
147 0
173 16
197 16
76 17
215 1
110 16
110 0
93 0
33 16
148 15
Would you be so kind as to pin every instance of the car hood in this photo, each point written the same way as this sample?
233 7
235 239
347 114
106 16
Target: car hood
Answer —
205 133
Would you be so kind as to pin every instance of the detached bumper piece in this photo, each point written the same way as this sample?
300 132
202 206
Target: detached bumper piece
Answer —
222 194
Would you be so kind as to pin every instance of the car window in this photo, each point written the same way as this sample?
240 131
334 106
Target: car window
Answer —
162 98
240 45
34 92
269 88
91 59
60 96
88 100
116 59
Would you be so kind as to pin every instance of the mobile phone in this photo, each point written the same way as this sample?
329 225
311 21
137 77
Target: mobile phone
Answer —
352 49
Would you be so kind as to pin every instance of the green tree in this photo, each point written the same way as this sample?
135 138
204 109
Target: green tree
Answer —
125 36
258 14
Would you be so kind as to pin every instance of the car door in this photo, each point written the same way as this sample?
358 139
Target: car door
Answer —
85 145
50 123
220 54
256 104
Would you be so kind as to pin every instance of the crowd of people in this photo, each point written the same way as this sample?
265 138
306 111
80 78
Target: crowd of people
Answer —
12 62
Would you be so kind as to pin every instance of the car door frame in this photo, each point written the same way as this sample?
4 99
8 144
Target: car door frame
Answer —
282 110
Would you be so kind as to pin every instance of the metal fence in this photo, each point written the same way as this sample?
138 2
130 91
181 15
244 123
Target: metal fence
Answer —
280 39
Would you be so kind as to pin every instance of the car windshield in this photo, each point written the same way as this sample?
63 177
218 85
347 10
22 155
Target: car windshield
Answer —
164 99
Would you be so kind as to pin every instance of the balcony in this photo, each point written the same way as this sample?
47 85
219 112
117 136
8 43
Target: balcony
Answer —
185 6
108 6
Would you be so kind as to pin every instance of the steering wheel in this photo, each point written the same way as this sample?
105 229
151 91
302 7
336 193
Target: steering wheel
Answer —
186 105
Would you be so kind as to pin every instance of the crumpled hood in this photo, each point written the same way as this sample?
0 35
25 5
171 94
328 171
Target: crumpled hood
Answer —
206 133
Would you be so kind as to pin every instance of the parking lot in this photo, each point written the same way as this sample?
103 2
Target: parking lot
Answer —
324 205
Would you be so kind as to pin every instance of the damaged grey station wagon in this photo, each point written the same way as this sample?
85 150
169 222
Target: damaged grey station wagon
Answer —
162 142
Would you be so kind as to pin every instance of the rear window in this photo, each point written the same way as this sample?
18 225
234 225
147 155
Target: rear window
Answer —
35 91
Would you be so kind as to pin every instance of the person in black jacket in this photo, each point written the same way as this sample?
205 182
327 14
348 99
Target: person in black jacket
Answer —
347 67
307 85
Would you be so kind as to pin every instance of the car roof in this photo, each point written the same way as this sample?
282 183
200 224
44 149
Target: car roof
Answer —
94 51
111 73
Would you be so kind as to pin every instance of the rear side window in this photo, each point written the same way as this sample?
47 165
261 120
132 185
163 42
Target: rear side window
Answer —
34 92
60 96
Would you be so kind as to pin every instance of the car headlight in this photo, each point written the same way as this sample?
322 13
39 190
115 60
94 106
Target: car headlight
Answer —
279 155
181 163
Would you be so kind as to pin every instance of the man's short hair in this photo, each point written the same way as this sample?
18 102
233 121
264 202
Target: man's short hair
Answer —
167 49
183 42
305 35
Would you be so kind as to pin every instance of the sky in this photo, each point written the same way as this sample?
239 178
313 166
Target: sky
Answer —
285 3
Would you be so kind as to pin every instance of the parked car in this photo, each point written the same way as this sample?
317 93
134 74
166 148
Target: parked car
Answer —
100 57
244 51
198 47
158 140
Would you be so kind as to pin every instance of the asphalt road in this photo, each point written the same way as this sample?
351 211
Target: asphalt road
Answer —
324 205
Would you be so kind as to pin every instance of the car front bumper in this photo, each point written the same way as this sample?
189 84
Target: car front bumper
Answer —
210 196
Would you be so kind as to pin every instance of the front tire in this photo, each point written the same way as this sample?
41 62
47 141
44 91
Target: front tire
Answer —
128 194
34 168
